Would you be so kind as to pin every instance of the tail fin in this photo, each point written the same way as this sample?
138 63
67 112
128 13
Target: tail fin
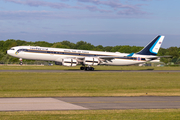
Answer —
153 47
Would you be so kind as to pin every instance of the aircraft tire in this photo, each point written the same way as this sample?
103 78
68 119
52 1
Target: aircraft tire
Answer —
87 69
91 68
82 68
21 63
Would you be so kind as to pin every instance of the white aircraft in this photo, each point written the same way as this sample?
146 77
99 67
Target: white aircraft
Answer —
87 58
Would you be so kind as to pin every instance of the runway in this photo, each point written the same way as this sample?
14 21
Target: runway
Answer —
61 71
88 103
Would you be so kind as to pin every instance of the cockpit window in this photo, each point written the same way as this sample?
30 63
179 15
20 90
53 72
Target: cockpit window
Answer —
12 49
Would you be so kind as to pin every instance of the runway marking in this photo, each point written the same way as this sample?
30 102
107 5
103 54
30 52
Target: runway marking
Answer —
38 104
30 103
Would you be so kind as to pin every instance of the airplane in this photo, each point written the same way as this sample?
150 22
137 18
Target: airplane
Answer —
88 58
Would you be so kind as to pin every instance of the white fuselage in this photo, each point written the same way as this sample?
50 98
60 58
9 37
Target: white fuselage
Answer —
58 54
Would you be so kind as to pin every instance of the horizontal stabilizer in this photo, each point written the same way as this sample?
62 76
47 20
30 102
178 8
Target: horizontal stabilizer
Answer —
157 57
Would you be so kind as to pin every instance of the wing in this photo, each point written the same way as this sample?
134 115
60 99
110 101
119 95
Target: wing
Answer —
100 58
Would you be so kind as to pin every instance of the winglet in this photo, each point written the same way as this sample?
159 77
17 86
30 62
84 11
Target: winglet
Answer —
153 47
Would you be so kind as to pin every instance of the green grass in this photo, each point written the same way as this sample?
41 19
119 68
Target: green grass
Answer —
17 84
56 67
157 114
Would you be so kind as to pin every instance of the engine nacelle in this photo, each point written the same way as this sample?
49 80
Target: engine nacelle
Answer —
91 61
69 62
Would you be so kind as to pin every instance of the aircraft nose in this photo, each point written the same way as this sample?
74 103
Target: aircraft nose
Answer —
7 52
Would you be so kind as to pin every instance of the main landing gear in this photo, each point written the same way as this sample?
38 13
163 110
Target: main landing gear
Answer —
87 68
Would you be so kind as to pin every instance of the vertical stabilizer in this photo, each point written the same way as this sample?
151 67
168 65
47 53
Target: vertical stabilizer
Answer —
153 47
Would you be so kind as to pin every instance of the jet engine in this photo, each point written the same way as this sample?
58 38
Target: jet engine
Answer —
69 62
91 61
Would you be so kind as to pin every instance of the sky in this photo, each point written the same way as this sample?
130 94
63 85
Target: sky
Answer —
99 22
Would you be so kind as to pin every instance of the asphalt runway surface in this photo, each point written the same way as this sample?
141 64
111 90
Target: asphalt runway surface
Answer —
41 71
88 103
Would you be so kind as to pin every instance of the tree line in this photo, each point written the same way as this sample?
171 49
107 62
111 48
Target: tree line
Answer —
82 45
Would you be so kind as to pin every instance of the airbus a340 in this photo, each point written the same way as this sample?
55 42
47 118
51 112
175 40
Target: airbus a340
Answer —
87 58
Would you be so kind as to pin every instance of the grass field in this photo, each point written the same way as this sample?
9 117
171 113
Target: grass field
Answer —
57 67
156 114
17 84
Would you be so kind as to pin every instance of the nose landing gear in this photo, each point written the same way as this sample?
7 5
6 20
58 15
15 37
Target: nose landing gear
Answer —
21 63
